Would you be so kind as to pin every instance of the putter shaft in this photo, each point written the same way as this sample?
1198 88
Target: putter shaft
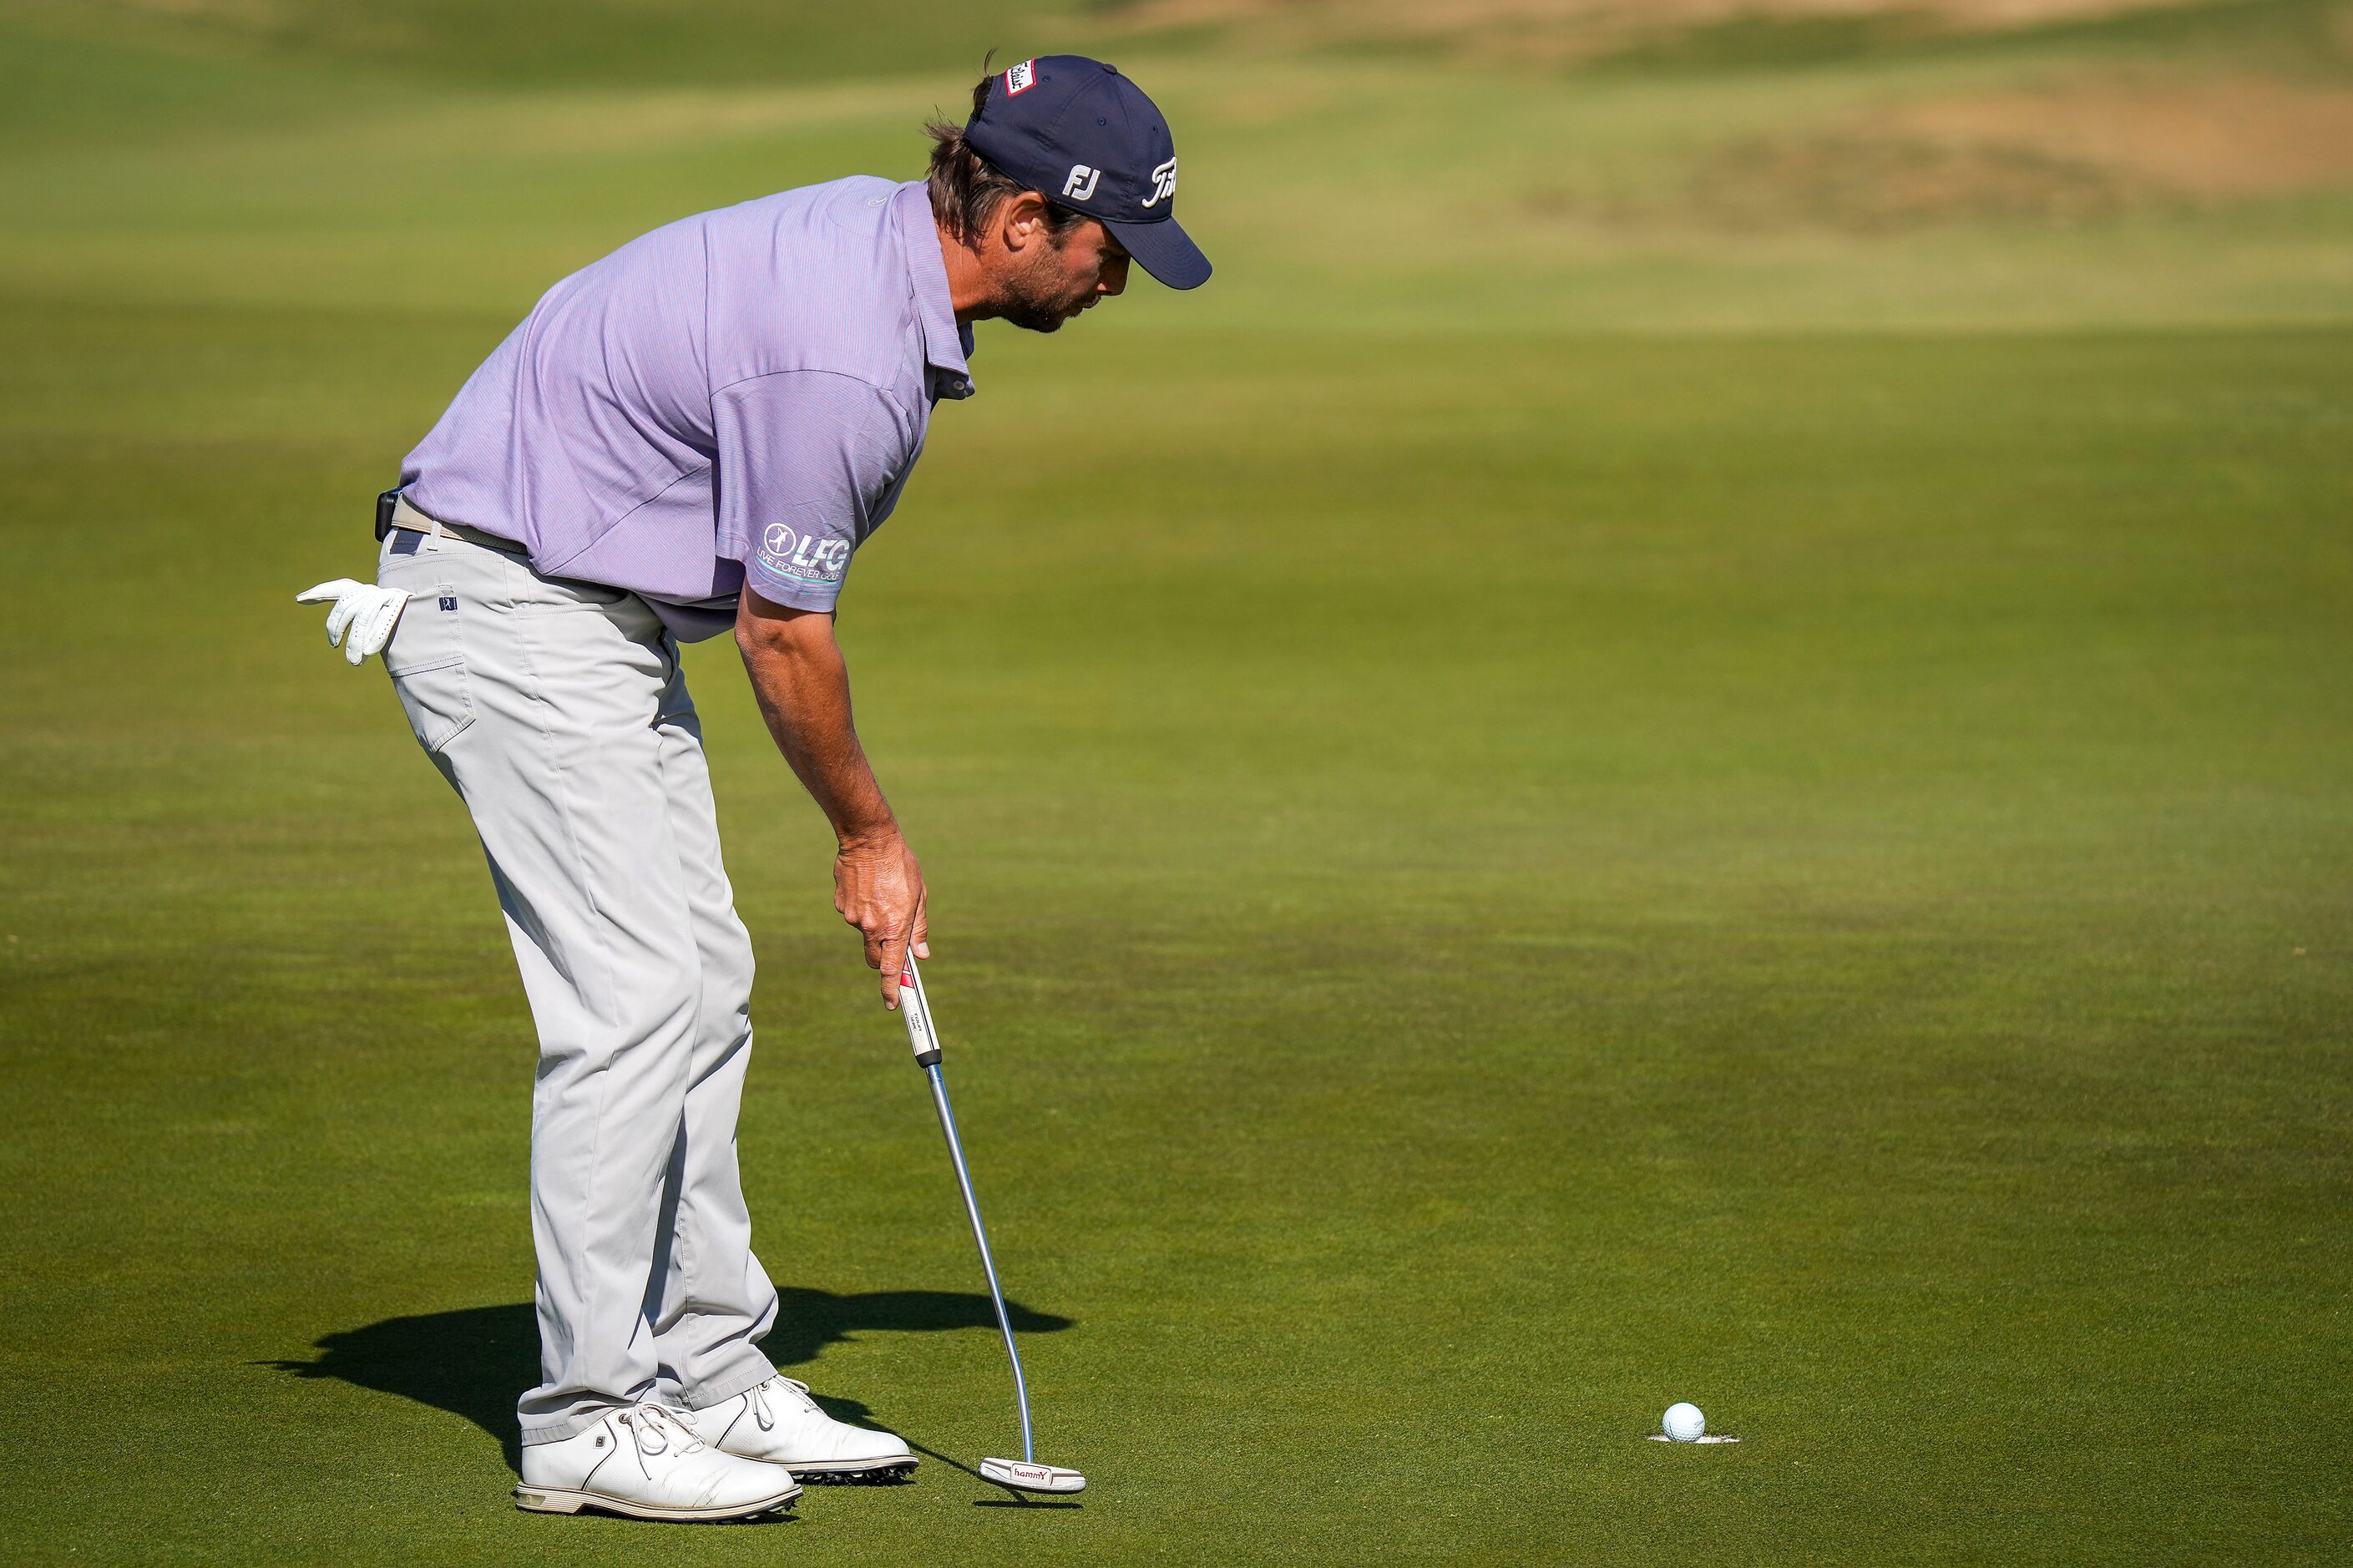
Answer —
924 1037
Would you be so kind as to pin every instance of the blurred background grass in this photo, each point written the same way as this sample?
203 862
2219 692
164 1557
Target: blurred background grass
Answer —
1567 164
1685 738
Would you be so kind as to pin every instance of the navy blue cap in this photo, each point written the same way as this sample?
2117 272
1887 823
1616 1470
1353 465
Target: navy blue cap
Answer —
1085 137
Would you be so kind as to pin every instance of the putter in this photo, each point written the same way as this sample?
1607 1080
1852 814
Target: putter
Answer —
1024 1475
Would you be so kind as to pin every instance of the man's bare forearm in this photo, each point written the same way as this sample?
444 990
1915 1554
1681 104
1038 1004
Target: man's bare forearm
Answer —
802 683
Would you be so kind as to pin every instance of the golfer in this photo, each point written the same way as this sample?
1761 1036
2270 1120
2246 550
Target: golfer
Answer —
697 433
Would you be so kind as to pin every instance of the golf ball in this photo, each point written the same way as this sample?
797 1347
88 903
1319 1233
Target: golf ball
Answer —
1683 1423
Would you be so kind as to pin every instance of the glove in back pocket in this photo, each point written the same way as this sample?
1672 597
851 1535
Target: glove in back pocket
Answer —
426 661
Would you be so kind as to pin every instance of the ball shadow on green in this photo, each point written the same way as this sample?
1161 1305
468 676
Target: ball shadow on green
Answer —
475 1361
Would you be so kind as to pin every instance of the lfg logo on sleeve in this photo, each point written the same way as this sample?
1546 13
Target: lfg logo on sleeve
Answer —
803 555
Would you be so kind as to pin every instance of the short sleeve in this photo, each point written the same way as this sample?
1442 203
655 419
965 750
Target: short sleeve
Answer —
808 461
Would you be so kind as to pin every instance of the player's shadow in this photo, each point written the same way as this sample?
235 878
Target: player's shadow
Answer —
476 1360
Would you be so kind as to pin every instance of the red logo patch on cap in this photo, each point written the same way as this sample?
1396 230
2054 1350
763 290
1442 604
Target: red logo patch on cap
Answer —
1021 78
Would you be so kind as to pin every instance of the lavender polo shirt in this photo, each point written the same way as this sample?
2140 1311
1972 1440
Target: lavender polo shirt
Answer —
736 397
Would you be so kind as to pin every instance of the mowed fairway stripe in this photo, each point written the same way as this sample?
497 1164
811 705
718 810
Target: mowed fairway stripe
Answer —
1792 899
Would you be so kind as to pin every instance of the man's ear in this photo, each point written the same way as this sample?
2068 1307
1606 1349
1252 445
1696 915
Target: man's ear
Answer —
1021 221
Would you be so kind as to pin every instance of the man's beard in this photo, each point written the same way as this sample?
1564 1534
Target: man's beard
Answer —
1031 300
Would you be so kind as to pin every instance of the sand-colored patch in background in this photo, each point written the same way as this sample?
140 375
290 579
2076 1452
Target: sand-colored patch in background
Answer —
2074 151
1557 29
251 16
2223 139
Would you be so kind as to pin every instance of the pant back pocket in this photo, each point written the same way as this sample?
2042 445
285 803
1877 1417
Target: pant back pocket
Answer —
426 661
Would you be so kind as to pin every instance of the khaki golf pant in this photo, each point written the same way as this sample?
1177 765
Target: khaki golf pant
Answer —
558 711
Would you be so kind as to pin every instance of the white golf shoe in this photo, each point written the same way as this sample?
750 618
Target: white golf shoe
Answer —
644 1461
779 1424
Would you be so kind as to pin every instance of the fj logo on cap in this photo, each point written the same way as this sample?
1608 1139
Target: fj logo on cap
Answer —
1021 78
1164 183
1081 182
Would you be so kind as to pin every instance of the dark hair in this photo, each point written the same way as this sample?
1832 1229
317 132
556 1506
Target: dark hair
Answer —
965 187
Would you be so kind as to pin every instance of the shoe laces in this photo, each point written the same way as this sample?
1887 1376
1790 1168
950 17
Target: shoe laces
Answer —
657 1431
759 1400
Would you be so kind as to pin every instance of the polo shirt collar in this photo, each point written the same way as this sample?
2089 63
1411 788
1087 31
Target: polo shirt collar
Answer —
947 343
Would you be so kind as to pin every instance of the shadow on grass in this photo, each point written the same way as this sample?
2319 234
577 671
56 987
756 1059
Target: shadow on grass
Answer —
477 1361
1017 1500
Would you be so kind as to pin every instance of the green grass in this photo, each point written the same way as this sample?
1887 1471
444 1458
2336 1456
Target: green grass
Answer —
1597 813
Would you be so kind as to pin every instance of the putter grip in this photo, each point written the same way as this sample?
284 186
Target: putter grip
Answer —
918 1015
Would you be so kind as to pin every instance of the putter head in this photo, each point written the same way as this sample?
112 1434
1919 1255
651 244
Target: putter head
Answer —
1023 1476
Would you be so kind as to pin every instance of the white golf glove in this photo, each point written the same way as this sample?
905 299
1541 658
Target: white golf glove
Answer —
361 621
